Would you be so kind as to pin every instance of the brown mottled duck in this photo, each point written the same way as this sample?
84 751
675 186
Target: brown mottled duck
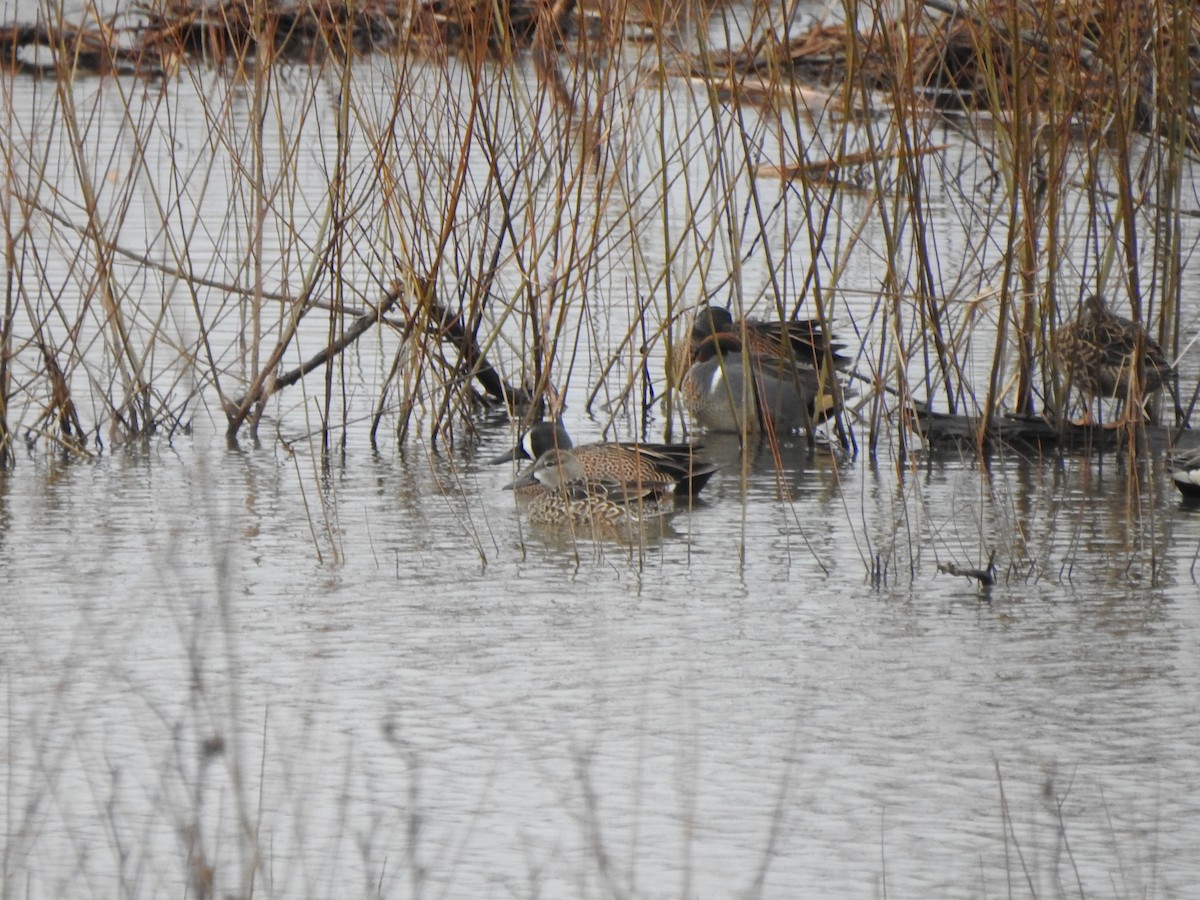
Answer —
1097 352
680 466
569 497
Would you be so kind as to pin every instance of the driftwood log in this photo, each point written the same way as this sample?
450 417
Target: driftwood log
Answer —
1039 432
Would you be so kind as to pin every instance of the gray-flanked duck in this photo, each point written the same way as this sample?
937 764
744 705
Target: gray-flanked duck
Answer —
1184 466
754 376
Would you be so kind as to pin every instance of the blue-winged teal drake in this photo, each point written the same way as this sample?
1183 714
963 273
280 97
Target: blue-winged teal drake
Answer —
752 376
1185 472
568 496
1097 352
677 467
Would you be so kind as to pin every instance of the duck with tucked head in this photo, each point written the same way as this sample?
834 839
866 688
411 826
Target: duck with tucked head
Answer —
1098 350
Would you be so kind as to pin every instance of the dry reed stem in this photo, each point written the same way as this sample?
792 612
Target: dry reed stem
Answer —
540 209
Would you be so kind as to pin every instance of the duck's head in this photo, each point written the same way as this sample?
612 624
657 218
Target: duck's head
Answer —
553 469
556 468
1095 306
711 320
537 440
719 344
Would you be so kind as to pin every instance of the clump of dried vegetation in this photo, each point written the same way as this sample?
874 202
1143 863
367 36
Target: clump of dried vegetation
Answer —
441 190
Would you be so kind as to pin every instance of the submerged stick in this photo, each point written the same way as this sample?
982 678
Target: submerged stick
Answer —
264 386
448 326
985 577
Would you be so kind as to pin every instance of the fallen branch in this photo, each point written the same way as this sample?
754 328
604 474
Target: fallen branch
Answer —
834 168
985 577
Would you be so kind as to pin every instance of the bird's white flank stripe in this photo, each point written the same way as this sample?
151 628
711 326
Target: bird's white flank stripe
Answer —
717 377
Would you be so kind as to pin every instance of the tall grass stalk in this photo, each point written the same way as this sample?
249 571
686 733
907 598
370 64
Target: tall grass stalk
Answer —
479 214
7 452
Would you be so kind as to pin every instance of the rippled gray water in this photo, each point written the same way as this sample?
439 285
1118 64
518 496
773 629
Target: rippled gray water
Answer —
450 704
272 673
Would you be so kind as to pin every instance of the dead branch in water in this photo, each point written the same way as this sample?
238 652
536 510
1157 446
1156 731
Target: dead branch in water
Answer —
986 576
448 327
844 168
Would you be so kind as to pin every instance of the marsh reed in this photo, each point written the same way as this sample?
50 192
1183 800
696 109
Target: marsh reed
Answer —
520 211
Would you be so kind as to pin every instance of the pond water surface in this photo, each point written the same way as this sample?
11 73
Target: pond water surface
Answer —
450 704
